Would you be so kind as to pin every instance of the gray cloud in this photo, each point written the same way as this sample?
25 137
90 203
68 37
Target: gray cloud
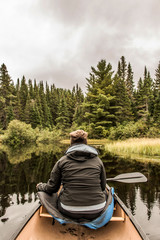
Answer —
59 41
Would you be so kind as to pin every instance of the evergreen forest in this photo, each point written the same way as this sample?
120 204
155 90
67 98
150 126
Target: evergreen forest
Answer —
113 106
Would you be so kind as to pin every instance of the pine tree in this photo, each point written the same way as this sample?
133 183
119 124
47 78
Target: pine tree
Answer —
31 89
157 74
156 114
6 97
119 72
35 87
157 80
78 98
156 96
5 83
46 118
123 68
144 97
123 84
122 101
23 93
10 114
34 115
18 109
100 102
148 94
27 110
38 108
53 103
130 83
130 89
140 105
62 120
18 85
71 104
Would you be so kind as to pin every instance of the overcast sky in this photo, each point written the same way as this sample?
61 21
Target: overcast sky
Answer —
59 40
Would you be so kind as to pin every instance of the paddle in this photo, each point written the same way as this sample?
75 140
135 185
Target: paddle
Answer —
134 177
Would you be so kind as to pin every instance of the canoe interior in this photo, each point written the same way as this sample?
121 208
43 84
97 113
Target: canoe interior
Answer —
40 227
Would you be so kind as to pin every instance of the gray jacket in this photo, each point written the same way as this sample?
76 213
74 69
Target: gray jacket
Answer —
82 174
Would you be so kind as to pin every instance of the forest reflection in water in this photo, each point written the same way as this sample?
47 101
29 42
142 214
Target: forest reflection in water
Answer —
22 169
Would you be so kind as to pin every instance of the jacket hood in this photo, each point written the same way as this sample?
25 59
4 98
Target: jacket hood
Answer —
81 152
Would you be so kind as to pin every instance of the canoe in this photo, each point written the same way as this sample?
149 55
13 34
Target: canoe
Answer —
39 224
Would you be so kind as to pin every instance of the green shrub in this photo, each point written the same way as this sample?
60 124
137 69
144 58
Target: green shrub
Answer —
19 133
1 131
153 132
46 136
128 130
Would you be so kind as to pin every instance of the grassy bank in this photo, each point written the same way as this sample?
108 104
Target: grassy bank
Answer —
136 146
89 141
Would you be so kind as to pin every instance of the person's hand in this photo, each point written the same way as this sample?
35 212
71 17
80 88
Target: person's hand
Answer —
39 186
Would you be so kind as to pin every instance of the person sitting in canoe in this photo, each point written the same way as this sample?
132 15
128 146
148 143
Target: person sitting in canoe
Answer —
81 173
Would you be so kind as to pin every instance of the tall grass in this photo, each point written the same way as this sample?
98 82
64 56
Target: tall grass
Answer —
141 146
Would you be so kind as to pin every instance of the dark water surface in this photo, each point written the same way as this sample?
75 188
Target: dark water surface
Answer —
21 170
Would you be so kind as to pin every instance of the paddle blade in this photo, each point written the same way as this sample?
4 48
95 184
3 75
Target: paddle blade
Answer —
134 177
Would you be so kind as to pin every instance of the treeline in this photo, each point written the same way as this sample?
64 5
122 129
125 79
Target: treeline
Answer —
36 104
112 106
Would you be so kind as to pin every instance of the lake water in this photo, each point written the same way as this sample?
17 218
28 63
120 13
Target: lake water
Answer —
22 169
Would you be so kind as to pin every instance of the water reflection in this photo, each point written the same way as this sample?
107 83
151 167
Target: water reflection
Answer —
22 169
17 155
149 192
20 172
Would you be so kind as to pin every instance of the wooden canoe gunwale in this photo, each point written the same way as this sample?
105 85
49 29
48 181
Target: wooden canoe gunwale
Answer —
131 217
25 221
